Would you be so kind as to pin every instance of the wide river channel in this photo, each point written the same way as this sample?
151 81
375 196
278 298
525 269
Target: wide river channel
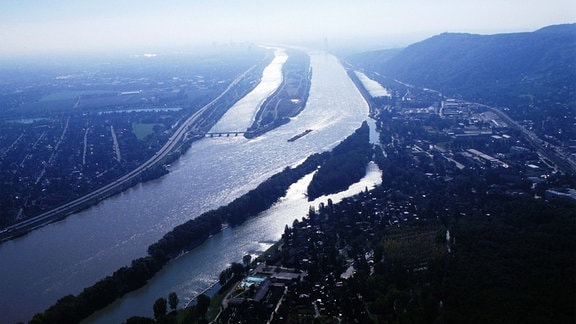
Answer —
65 257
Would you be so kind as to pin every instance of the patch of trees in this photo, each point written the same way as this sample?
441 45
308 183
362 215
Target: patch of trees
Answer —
514 264
405 287
153 172
193 314
346 165
186 236
267 193
229 276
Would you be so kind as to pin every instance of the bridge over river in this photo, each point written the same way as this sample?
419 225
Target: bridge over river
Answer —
219 134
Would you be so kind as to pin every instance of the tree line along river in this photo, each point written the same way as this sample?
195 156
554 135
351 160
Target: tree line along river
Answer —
65 257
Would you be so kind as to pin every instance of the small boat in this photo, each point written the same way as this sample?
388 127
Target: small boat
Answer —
295 137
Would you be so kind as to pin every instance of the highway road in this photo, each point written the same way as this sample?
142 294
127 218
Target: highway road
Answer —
116 186
565 164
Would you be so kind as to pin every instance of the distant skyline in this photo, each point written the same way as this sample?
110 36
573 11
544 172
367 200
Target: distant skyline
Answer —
49 26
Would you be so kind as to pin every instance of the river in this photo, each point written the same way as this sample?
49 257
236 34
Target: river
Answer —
64 257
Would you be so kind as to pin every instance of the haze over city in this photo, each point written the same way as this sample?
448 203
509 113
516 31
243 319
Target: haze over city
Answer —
33 27
369 161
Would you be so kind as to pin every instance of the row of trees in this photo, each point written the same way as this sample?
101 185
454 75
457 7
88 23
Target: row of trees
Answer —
72 309
193 314
194 232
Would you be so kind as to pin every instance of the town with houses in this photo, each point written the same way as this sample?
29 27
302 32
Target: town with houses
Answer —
445 161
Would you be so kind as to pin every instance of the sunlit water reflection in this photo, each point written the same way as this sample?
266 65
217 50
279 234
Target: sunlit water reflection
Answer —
65 257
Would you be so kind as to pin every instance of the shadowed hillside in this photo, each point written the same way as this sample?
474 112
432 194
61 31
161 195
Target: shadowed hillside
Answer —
506 69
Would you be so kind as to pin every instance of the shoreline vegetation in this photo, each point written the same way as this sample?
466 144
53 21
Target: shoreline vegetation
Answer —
191 234
288 100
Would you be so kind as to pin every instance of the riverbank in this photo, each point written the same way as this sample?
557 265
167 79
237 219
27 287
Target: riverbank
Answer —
216 292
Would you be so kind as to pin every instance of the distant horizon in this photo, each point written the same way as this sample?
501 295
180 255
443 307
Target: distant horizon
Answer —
335 47
30 27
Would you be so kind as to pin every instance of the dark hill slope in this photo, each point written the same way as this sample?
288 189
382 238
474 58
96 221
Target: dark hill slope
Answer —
373 60
507 69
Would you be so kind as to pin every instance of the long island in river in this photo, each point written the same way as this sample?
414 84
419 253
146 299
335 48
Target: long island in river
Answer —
93 243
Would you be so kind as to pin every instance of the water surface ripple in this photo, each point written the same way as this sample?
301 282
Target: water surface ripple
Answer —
67 256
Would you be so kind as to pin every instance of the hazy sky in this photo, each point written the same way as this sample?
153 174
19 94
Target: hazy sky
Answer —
54 25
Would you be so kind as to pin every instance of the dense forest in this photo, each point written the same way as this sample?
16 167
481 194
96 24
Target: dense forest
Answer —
345 166
512 263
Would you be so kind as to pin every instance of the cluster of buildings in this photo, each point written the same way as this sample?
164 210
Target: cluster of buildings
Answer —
258 296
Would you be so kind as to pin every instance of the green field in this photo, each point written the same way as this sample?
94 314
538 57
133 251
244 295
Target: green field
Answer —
141 130
64 95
